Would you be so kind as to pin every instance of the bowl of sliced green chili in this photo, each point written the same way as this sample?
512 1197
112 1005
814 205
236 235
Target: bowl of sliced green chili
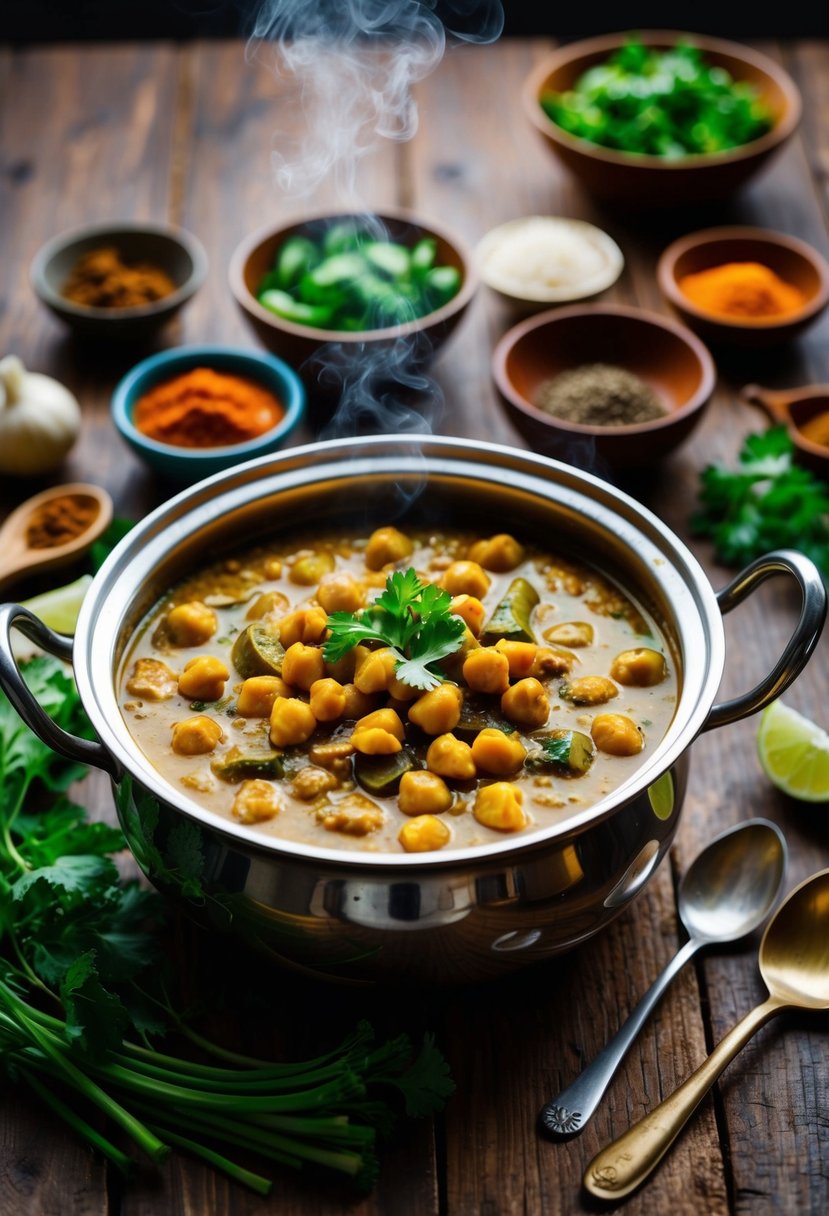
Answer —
660 118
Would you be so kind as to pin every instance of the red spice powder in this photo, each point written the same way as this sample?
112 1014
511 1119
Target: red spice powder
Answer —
206 409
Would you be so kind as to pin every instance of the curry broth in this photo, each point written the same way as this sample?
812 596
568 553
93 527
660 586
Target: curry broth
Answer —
318 799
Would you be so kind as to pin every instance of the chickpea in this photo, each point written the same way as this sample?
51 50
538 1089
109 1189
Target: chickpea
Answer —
526 703
465 578
402 692
384 719
357 704
354 815
196 736
495 751
498 806
470 609
327 700
570 633
309 568
272 568
339 591
423 834
256 801
376 672
258 694
616 734
269 603
387 545
306 625
303 665
423 793
374 741
551 661
641 667
343 670
451 757
519 655
438 711
590 690
152 680
498 553
311 782
487 670
292 721
203 678
191 624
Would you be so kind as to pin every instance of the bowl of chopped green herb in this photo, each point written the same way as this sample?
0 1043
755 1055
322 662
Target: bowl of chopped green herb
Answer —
661 117
337 290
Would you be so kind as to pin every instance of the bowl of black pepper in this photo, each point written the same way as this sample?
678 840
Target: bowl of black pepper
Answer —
603 386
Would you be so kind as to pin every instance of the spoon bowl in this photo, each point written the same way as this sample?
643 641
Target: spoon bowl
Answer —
17 554
794 953
732 886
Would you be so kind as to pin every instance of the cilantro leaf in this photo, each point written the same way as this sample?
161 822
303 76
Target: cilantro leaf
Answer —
426 1083
95 1018
72 874
412 618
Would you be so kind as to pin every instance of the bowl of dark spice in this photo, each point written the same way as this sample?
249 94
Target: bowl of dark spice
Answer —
603 386
121 280
52 528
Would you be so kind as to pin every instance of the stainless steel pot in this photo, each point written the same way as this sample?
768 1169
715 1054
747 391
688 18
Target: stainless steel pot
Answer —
444 917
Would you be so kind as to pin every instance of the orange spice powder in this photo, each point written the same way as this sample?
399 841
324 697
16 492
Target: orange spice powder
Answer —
743 291
205 409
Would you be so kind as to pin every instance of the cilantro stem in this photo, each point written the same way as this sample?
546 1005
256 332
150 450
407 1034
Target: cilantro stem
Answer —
238 1173
89 1133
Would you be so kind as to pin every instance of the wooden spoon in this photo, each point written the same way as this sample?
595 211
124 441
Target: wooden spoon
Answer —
804 411
18 556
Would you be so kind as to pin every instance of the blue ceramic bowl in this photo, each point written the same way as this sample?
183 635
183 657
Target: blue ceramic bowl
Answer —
187 465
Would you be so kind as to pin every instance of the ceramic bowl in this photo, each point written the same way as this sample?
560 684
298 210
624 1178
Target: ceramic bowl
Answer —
514 240
172 249
336 353
651 181
663 353
795 261
187 465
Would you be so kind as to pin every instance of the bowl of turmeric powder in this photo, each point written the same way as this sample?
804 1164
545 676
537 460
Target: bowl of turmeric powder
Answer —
743 286
118 280
192 411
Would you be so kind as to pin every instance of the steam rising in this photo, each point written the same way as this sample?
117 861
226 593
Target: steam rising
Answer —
354 63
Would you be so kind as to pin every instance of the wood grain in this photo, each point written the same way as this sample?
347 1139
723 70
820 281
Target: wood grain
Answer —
186 133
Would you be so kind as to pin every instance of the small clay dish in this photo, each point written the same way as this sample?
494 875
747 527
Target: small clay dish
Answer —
798 409
190 464
792 259
513 262
661 352
643 181
172 249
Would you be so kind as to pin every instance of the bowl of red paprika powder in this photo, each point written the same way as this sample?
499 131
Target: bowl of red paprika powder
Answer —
193 411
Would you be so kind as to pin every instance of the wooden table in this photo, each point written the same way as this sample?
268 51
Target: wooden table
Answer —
184 132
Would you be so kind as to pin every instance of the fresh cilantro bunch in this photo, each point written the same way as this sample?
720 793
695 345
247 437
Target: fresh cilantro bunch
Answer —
79 954
766 502
414 619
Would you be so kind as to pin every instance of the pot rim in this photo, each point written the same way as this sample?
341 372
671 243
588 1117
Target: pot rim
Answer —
101 622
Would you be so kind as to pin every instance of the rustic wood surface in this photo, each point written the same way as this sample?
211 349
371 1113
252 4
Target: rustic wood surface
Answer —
185 132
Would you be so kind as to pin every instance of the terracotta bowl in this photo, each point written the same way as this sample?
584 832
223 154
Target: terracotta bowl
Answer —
791 258
325 357
650 181
664 354
797 409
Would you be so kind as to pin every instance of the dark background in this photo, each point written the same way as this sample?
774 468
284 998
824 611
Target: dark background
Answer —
57 20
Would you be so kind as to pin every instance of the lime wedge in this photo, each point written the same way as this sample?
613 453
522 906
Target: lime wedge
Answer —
59 608
794 753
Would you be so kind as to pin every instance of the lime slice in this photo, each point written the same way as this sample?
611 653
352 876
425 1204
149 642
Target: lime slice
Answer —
794 753
59 608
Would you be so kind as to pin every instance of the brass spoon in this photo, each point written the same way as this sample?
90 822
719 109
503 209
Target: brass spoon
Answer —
794 962
18 556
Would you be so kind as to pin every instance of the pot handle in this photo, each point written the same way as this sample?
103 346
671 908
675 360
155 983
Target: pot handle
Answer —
87 751
800 644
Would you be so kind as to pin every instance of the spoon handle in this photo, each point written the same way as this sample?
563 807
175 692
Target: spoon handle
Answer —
568 1113
628 1161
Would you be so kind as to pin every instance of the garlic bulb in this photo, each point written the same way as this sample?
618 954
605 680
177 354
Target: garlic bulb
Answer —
39 420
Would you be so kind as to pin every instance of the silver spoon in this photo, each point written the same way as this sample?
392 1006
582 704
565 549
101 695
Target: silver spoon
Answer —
727 892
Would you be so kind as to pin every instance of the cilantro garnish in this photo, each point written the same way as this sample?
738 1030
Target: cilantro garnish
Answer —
767 502
413 618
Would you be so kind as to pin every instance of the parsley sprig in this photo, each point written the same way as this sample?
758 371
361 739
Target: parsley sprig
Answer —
414 619
767 502
79 957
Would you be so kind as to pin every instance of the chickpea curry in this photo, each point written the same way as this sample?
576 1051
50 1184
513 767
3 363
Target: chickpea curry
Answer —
405 691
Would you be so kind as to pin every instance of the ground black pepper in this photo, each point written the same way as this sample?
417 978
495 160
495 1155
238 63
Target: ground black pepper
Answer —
599 394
